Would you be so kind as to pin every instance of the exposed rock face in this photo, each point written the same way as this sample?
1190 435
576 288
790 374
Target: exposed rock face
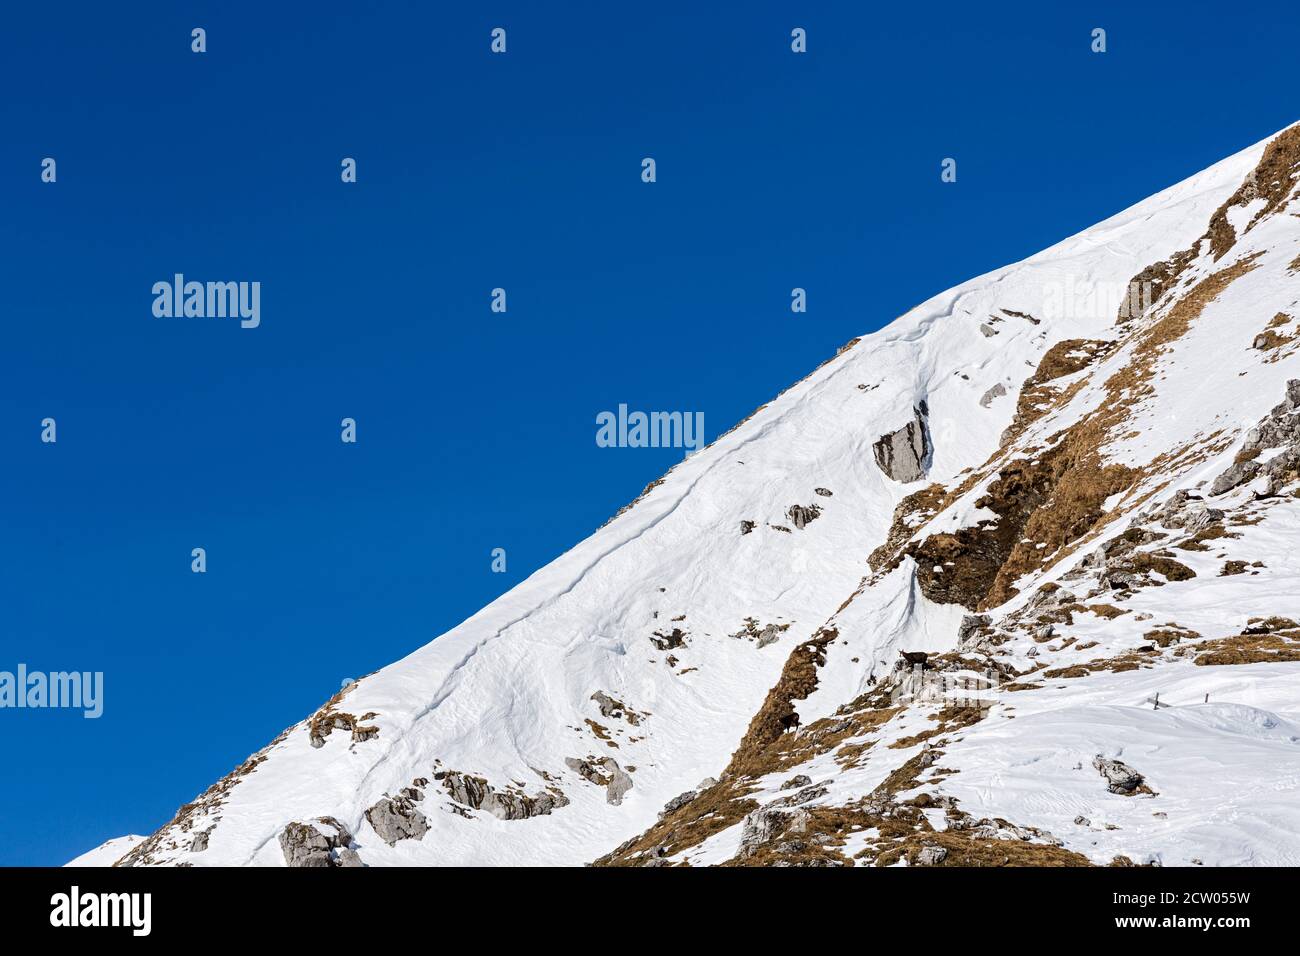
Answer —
619 783
666 642
764 825
586 771
1120 777
931 856
1281 429
477 794
769 635
612 707
997 391
396 818
972 629
677 802
746 526
801 515
904 454
320 842
1186 512
797 781
200 841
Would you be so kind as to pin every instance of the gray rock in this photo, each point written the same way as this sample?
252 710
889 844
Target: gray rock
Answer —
1237 474
348 857
797 781
971 630
904 454
611 707
804 795
584 770
1082 821
802 515
987 330
396 818
314 844
997 391
824 492
200 841
746 527
763 826
619 783
769 635
677 802
931 856
706 783
477 794
1120 777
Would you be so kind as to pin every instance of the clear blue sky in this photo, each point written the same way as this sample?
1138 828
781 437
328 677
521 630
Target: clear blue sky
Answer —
476 430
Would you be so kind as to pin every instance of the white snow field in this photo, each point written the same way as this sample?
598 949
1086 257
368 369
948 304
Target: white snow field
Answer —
507 696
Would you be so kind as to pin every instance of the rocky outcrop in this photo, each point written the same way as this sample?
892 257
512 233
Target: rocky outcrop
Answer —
930 856
321 842
619 782
677 802
972 630
1187 512
396 818
762 635
1120 777
613 707
997 391
1281 429
477 794
904 454
667 642
763 826
586 770
801 515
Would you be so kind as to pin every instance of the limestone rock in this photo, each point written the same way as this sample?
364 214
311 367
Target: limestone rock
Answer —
619 783
677 802
317 843
997 391
904 454
931 856
763 826
396 818
801 515
1120 777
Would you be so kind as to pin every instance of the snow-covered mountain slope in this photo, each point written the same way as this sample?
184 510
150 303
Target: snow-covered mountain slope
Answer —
1022 446
107 853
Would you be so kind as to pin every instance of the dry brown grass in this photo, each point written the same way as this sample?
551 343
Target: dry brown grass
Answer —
1272 648
1273 180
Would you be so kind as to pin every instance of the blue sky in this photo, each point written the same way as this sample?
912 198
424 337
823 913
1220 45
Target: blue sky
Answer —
476 430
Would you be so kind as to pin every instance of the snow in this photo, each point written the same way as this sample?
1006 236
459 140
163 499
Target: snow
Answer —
1226 773
108 852
506 695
